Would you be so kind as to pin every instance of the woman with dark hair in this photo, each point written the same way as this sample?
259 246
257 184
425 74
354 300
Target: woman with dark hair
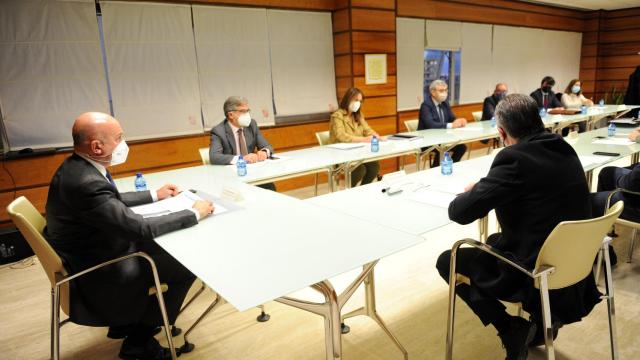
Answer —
573 98
348 125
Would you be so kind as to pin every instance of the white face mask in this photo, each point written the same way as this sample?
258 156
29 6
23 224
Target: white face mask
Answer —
244 120
354 106
575 89
119 154
441 97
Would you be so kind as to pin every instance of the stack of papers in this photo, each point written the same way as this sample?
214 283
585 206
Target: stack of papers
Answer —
432 197
182 201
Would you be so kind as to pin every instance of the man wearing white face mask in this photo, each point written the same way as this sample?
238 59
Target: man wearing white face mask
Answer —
238 135
435 113
89 222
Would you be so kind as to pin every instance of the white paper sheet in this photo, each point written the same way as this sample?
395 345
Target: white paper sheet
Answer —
588 160
431 197
477 129
180 202
614 141
346 146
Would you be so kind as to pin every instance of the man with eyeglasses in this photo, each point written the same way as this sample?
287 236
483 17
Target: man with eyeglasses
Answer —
238 135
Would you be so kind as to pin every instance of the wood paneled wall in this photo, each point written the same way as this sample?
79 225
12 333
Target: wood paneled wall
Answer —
610 47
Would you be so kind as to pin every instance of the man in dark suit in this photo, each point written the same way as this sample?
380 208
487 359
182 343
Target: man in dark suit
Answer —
435 113
238 135
535 183
89 222
545 97
632 96
490 102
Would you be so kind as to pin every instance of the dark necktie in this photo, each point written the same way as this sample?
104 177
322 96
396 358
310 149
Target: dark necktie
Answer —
110 178
440 113
242 142
545 101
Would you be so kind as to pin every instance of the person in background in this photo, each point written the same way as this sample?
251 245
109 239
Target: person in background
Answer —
348 125
572 98
529 204
89 222
490 102
544 96
435 113
238 135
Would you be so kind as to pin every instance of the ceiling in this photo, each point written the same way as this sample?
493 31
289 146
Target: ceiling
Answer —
591 4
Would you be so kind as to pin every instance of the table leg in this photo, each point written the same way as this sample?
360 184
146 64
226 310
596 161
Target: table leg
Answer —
589 176
333 304
369 309
483 228
634 158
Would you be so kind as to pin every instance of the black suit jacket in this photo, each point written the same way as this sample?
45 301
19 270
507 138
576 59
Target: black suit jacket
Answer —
489 107
89 222
429 118
553 99
533 186
223 142
632 97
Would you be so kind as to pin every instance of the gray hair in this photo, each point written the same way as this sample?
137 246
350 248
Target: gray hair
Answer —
436 83
233 102
518 116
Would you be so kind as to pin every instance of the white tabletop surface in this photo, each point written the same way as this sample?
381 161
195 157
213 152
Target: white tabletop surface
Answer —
272 247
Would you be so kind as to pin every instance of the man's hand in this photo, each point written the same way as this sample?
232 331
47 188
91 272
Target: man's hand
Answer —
168 190
262 155
250 158
204 208
469 187
633 136
458 123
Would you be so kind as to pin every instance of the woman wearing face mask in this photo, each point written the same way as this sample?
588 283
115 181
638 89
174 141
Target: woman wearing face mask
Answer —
348 125
573 98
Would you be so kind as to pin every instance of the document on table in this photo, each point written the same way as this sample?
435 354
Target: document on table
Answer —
614 141
182 201
346 146
588 160
432 197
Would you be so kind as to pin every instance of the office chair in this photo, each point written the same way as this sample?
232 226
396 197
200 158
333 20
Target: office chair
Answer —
553 269
31 224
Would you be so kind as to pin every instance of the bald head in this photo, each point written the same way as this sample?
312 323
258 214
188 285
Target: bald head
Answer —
500 87
96 134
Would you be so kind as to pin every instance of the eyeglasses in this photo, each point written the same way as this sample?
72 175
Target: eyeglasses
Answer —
242 111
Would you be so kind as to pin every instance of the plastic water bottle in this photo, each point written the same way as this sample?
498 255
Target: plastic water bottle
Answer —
612 129
140 182
543 112
375 144
601 103
583 109
447 164
241 166
493 121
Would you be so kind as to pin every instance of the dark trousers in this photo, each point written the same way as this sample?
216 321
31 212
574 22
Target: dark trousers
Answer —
608 181
457 152
366 173
177 277
490 311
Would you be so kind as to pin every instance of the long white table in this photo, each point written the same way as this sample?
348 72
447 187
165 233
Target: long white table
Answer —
276 245
326 159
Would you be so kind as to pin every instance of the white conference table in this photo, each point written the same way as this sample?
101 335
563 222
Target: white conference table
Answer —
324 158
403 213
276 245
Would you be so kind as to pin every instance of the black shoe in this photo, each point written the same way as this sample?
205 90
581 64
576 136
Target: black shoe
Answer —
151 350
119 332
538 339
517 338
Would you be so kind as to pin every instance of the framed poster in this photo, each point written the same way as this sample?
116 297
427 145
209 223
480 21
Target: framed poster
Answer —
375 68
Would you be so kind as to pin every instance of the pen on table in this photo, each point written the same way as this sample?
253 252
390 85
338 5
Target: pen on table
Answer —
390 191
421 187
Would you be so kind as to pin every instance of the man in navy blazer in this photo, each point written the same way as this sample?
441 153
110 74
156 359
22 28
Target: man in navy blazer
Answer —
435 113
